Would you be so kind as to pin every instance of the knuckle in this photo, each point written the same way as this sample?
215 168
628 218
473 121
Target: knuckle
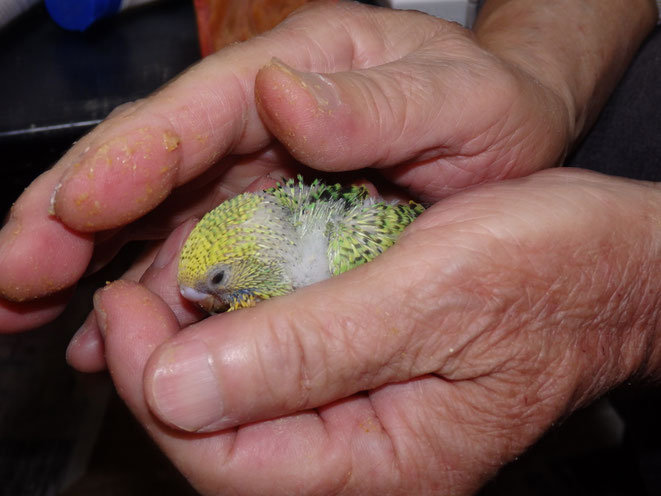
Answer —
292 360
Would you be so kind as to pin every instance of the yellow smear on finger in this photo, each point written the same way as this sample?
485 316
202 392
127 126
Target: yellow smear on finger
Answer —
171 141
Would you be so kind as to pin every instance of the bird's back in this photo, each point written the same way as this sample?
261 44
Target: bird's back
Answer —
345 222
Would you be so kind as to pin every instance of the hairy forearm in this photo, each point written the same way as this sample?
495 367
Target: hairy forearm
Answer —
578 48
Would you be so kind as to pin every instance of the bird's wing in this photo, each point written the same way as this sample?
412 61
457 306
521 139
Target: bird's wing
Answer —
366 231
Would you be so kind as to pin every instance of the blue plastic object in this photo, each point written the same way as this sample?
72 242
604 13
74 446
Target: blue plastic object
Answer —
78 15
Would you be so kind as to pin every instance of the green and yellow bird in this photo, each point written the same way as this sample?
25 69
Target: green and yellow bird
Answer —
259 245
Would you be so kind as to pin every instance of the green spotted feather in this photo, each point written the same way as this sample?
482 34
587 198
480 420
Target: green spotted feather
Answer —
259 245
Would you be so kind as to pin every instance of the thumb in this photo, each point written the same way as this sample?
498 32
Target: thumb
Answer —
448 111
356 118
354 332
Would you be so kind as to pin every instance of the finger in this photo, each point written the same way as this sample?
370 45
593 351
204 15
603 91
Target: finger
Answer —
449 112
38 254
349 120
33 265
16 317
32 232
133 322
131 319
161 276
86 352
372 114
136 158
155 269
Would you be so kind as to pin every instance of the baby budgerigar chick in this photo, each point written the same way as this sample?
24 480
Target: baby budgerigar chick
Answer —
259 245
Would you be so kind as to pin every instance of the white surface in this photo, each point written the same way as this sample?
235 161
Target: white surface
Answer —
9 9
134 3
461 11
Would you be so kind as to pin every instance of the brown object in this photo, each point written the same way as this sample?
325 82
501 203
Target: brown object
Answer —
220 22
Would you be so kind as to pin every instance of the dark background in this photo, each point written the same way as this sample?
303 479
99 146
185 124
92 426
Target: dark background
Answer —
64 433
56 85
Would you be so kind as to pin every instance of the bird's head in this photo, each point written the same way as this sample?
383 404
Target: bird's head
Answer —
234 257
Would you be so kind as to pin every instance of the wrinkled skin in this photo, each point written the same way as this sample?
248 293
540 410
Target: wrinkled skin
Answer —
500 310
510 317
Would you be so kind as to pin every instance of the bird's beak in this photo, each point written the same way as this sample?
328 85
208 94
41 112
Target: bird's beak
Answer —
208 302
192 294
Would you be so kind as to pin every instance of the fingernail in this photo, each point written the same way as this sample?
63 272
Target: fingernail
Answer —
53 199
101 315
320 87
87 326
85 350
173 244
165 254
185 391
68 172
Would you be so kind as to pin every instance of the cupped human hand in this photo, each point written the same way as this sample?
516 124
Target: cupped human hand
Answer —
498 312
343 86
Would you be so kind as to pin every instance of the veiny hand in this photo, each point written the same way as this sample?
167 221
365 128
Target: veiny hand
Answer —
499 311
410 95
